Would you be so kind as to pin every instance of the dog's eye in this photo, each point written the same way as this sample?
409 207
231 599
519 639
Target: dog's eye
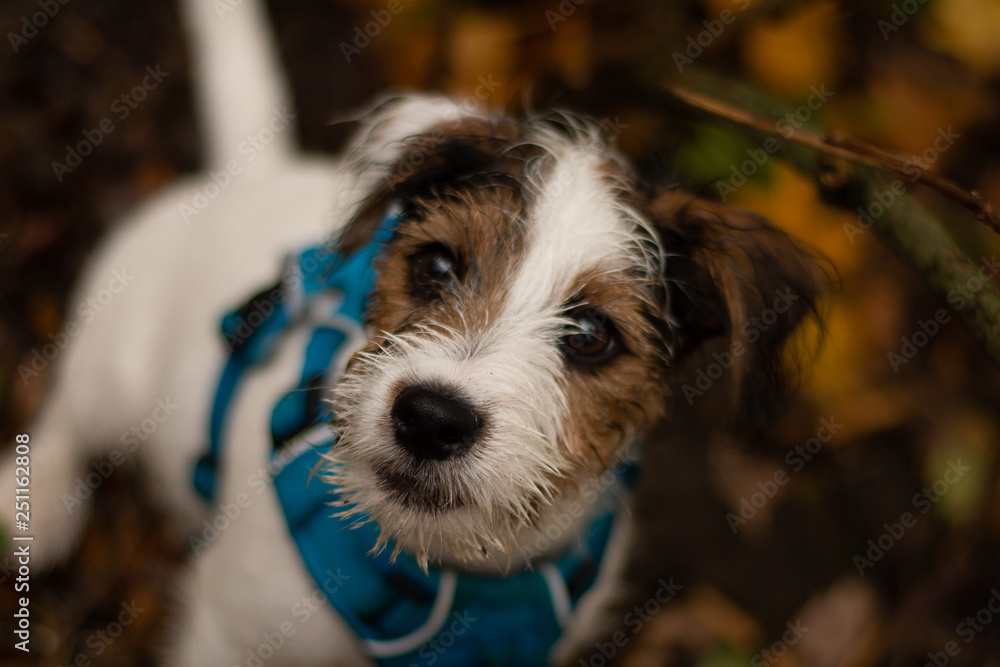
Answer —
593 338
433 270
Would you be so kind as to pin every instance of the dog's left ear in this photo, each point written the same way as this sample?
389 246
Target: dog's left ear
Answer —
731 273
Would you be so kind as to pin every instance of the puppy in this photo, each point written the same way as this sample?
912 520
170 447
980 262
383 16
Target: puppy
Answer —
411 447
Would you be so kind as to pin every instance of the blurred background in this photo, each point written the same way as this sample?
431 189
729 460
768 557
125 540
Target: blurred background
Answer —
863 528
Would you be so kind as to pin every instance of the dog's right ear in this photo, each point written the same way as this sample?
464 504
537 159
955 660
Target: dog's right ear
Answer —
361 228
731 273
469 152
428 163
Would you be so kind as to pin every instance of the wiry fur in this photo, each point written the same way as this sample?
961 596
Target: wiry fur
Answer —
544 220
496 338
481 500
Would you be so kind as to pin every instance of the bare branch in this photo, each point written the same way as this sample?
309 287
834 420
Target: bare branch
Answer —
848 149
910 230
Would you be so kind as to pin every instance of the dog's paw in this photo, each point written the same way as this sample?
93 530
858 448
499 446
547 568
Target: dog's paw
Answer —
575 648
594 622
565 652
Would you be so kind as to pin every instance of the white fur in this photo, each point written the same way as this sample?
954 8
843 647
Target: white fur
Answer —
158 339
511 367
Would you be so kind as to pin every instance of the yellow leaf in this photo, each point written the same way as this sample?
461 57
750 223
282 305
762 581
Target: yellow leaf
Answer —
797 51
967 30
480 55
792 203
907 109
957 466
572 50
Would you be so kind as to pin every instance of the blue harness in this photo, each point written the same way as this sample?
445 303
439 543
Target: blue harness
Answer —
403 616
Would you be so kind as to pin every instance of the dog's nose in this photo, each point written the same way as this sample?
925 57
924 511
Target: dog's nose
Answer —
432 425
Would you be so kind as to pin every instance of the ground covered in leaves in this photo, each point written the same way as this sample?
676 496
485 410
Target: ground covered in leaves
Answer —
862 529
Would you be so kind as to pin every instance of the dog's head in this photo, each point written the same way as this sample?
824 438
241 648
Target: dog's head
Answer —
526 317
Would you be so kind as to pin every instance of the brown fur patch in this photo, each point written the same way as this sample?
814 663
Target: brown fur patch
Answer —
467 153
462 185
614 402
481 216
485 230
727 270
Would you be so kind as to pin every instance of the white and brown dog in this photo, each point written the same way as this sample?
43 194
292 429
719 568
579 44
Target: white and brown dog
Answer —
528 303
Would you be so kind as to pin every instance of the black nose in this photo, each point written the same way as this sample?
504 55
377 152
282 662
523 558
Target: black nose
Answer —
433 425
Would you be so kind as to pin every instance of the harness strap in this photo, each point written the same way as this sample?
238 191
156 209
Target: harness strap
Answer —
394 607
317 285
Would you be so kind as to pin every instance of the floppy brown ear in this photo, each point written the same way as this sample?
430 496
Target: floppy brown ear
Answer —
730 272
447 154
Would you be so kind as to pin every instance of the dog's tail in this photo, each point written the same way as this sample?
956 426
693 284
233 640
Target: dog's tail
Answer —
242 97
34 471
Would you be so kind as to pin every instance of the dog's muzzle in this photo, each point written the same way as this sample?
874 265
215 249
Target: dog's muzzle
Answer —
431 423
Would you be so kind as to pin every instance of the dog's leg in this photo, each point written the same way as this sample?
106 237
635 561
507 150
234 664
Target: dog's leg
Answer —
248 598
595 617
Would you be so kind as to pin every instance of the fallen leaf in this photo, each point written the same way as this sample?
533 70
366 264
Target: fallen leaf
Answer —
791 54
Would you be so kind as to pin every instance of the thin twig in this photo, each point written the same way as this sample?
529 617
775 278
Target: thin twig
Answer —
848 149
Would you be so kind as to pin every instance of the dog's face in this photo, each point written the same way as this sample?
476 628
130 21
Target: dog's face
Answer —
524 322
